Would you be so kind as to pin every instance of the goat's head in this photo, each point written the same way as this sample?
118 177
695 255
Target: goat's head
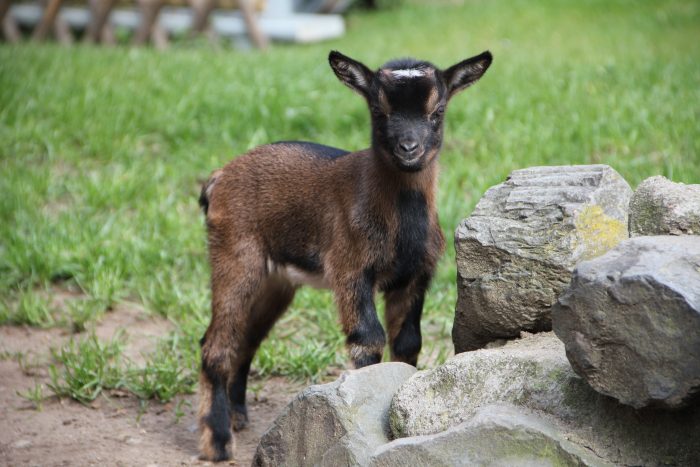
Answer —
407 100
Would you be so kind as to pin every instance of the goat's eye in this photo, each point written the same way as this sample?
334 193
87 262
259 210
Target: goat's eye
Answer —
438 113
376 111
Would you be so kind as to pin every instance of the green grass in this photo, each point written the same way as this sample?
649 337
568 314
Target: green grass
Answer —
102 152
85 368
34 395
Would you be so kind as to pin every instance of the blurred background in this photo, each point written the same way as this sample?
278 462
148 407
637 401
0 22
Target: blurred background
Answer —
107 131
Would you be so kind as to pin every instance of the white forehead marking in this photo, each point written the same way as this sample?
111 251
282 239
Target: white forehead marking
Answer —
410 73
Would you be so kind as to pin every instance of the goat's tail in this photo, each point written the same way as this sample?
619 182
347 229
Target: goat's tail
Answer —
206 191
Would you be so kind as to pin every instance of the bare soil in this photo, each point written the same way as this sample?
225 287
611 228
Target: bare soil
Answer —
116 429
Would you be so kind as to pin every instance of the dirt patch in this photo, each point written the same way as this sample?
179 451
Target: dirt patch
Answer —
140 329
116 429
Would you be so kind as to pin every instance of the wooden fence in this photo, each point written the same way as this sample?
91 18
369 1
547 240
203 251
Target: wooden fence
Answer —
157 20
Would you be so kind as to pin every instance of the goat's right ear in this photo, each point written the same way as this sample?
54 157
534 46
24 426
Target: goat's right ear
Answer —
352 73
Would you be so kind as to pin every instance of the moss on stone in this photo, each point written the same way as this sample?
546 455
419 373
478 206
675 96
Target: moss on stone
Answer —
597 232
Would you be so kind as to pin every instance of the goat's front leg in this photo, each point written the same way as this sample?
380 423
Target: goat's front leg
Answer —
358 315
404 308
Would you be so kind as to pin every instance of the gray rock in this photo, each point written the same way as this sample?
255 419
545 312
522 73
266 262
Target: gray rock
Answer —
661 207
515 253
495 435
631 321
339 423
534 373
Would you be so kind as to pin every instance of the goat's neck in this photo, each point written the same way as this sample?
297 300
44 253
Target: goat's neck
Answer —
387 180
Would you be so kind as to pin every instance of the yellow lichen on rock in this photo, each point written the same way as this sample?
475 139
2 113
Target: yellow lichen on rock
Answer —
596 232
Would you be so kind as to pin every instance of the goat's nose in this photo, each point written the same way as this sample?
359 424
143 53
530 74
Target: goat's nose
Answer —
408 146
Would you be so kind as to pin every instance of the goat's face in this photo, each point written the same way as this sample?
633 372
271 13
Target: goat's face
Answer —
407 100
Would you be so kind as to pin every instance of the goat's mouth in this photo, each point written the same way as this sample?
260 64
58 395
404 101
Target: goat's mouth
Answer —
409 163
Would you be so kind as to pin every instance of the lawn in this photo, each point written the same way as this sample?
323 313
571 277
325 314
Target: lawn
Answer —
103 150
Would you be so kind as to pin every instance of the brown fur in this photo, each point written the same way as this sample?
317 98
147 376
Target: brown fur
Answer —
341 220
257 179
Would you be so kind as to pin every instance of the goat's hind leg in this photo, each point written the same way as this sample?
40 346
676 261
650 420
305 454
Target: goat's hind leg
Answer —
272 299
236 276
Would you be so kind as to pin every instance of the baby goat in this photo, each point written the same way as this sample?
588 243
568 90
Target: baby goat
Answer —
293 213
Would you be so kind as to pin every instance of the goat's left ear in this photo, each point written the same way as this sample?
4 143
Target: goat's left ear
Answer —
466 72
352 73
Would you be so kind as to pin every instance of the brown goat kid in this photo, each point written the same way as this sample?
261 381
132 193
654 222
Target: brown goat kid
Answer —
294 213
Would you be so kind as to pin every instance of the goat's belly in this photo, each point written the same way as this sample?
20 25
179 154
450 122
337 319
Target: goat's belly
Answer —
297 276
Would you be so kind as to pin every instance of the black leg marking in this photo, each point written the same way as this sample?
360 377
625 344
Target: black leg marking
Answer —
408 342
237 393
366 360
219 417
366 341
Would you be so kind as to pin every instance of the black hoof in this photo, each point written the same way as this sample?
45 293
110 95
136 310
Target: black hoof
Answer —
239 417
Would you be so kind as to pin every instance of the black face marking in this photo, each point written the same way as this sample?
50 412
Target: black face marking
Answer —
408 133
407 98
219 417
369 331
412 238
317 150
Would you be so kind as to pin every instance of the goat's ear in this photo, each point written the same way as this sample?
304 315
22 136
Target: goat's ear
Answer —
351 72
466 72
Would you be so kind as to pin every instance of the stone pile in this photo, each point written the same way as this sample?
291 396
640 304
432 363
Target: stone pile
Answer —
547 248
520 404
516 251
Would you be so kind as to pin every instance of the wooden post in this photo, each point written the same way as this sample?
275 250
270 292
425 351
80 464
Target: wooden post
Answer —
47 20
327 6
108 36
251 24
159 36
100 10
62 31
202 10
149 15
4 8
7 23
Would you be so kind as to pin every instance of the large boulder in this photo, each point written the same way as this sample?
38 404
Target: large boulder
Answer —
516 251
336 423
661 207
534 373
631 321
495 435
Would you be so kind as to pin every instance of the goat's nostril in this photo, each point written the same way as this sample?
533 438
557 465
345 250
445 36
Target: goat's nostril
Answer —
408 146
